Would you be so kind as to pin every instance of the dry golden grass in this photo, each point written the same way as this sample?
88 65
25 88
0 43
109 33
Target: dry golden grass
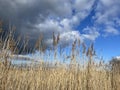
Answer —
57 79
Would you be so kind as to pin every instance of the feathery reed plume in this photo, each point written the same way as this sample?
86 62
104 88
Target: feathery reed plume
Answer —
55 43
73 50
84 48
90 51
93 50
40 45
92 47
54 39
74 45
12 43
78 46
39 42
58 38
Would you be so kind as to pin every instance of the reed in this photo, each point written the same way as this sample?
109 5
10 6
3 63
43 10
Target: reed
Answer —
47 76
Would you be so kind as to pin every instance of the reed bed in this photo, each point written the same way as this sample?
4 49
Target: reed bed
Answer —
59 76
57 79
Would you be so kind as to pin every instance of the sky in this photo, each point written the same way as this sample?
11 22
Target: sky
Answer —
97 21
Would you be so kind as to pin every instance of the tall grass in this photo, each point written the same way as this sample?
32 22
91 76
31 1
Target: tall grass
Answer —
89 75
57 79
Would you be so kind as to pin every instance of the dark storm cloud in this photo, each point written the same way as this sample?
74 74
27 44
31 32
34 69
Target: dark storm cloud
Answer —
27 13
33 17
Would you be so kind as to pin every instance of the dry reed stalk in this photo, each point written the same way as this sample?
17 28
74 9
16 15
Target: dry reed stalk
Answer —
55 43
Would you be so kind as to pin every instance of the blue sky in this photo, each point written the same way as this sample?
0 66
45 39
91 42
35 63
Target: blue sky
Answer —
97 21
107 46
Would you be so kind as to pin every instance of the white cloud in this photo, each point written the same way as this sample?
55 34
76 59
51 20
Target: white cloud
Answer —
65 23
111 30
82 9
70 36
67 34
91 33
107 14
66 38
83 5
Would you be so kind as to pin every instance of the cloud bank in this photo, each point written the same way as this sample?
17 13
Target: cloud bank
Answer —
35 17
